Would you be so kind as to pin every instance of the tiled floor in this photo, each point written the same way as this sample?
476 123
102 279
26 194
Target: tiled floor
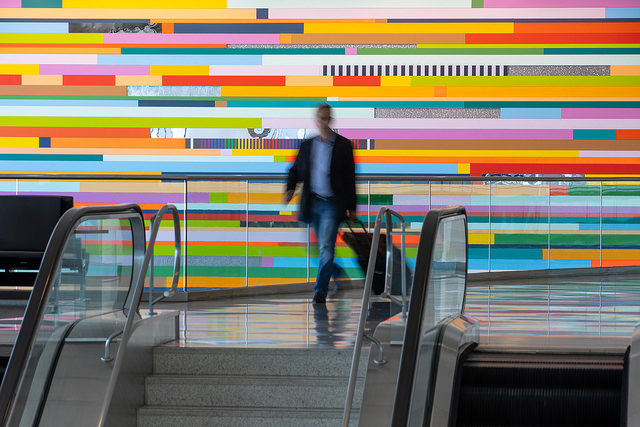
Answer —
574 313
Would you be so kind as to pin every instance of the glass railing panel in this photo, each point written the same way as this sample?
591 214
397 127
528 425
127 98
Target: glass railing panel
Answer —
150 195
216 223
519 225
92 278
475 197
278 242
411 200
574 225
438 294
620 223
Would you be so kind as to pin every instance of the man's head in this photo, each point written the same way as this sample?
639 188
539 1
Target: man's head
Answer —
323 119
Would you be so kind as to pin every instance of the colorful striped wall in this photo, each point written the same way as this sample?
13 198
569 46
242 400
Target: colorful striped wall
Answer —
462 87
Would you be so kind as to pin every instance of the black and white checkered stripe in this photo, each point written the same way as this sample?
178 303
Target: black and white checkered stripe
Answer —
414 70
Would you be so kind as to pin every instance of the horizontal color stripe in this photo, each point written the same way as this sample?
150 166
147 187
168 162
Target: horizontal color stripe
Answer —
47 90
133 122
81 69
601 113
192 39
264 70
435 13
47 59
33 27
403 28
180 59
87 38
149 4
496 134
138 13
560 3
426 124
78 132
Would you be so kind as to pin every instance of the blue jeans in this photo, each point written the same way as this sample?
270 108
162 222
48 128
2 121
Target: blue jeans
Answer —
325 222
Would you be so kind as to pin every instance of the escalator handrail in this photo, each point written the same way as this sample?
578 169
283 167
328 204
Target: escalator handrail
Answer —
176 255
419 293
129 324
44 280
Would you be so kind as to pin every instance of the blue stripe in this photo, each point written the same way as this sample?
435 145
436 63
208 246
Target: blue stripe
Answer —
622 12
530 113
408 168
33 27
594 134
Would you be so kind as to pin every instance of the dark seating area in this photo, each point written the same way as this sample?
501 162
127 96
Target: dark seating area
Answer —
26 224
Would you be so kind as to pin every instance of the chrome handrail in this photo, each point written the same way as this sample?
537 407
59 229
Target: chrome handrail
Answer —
176 255
129 322
386 213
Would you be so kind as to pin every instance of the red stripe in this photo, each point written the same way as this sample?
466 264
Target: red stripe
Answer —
88 80
356 81
10 79
519 168
628 134
75 132
533 38
223 80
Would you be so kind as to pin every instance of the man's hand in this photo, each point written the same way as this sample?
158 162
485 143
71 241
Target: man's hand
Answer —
286 197
352 215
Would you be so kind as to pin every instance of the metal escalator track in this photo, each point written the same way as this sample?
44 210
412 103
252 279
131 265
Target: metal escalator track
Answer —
519 389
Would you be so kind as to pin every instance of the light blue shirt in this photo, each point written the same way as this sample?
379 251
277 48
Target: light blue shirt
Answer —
321 152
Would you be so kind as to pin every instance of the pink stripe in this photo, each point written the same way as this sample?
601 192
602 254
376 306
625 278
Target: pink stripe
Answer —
96 70
543 4
147 38
265 70
11 3
426 13
601 113
496 134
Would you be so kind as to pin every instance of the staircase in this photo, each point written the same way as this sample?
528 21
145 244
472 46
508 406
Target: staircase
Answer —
218 386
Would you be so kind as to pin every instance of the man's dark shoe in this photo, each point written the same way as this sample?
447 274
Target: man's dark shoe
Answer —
319 298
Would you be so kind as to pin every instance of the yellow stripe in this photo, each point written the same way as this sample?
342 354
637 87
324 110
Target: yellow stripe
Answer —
146 4
464 168
180 70
82 38
154 14
18 141
19 68
315 91
395 81
481 239
409 28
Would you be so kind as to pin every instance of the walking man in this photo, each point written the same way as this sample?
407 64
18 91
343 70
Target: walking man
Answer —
326 168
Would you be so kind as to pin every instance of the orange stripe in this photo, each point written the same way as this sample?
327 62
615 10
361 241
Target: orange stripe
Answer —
628 134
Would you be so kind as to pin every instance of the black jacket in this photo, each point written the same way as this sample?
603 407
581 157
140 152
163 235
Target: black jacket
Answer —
342 177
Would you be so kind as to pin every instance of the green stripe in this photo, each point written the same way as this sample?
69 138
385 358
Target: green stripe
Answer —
52 157
477 4
219 51
131 122
450 51
620 240
521 239
525 81
55 4
213 223
620 190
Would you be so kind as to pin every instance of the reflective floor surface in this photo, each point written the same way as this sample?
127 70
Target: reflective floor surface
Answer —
593 313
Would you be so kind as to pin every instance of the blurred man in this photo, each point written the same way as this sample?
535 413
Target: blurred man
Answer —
326 168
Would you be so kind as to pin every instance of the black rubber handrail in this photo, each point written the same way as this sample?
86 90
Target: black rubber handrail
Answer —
44 280
413 328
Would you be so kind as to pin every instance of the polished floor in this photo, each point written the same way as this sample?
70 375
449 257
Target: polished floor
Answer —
591 313
594 313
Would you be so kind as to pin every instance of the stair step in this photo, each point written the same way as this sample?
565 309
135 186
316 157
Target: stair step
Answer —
170 359
149 416
253 391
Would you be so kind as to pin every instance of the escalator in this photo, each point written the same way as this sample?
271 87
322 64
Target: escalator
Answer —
70 364
444 378
514 389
